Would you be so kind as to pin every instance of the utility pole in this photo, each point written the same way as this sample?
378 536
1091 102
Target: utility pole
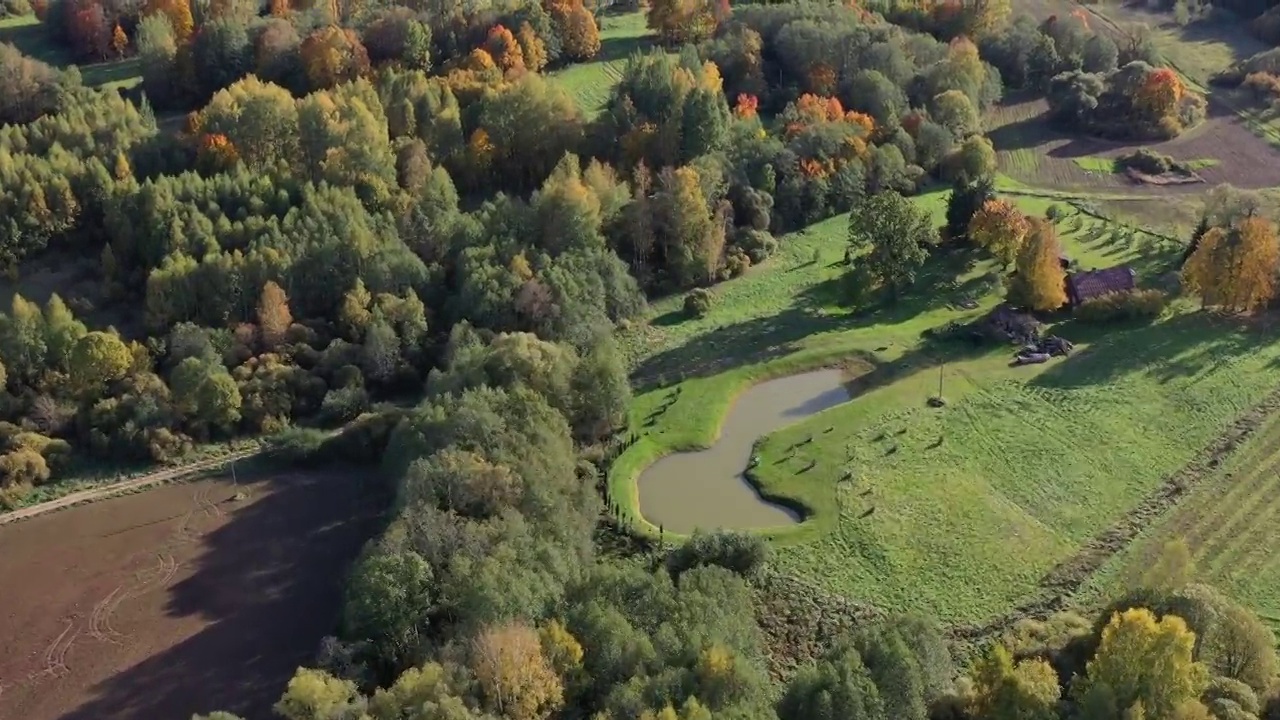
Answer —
940 369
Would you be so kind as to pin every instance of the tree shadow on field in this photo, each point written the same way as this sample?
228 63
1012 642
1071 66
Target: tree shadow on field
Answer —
614 49
1022 134
270 581
1177 348
763 339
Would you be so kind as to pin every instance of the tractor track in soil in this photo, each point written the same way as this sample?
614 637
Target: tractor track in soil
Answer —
143 482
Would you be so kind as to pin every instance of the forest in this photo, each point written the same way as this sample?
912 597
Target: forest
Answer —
390 219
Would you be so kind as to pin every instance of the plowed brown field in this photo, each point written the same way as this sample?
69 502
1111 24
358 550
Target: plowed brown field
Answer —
176 601
1030 151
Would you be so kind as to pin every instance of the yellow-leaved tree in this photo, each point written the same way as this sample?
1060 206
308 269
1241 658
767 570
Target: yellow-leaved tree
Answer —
1040 282
1002 689
274 317
1142 661
1235 268
513 673
999 228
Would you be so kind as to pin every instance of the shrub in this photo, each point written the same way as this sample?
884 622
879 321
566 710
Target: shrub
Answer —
698 302
15 8
739 552
736 262
1121 306
1147 161
1263 86
1054 213
296 445
757 244
23 466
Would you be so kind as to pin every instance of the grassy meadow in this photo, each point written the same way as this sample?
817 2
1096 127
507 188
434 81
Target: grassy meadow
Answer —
591 83
1228 523
28 35
958 511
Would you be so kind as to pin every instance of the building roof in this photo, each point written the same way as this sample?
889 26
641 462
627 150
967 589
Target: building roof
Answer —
1095 283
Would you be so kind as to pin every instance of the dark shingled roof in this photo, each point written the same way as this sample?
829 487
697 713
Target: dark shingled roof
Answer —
1090 284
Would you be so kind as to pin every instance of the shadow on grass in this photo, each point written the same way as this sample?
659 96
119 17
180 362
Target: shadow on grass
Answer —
621 48
763 339
269 581
1176 348
32 40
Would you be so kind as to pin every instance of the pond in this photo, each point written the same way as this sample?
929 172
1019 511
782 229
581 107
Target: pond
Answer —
707 488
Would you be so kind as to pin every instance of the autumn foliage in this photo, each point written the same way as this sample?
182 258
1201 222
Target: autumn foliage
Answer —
1235 268
579 34
999 228
513 672
1040 282
505 50
1160 93
332 55
179 14
217 152
685 21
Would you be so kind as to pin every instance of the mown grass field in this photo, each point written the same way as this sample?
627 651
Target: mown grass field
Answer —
1228 523
591 83
956 511
28 35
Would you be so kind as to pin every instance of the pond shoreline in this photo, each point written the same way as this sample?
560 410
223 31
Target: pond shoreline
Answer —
649 448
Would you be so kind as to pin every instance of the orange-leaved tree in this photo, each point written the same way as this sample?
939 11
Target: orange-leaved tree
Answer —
505 50
331 55
685 21
579 34
1040 282
999 228
1160 92
179 14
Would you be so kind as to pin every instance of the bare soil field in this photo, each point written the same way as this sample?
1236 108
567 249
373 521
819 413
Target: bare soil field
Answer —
1031 151
184 599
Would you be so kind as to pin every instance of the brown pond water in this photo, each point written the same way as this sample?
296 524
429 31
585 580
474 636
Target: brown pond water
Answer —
706 488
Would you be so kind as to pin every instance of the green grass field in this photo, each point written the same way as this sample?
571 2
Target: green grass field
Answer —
590 83
1228 523
1109 165
955 511
28 35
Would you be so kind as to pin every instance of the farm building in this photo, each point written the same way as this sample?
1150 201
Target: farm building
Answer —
1089 284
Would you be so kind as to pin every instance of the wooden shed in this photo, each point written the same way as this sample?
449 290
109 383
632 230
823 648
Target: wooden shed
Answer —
1089 284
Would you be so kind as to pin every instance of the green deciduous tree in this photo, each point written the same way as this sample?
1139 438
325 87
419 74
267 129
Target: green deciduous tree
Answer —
316 695
389 597
837 687
98 358
893 236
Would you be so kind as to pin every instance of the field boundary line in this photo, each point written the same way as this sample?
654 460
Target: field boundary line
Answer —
123 487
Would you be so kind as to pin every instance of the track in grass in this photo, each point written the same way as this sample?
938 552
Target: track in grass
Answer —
1228 524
